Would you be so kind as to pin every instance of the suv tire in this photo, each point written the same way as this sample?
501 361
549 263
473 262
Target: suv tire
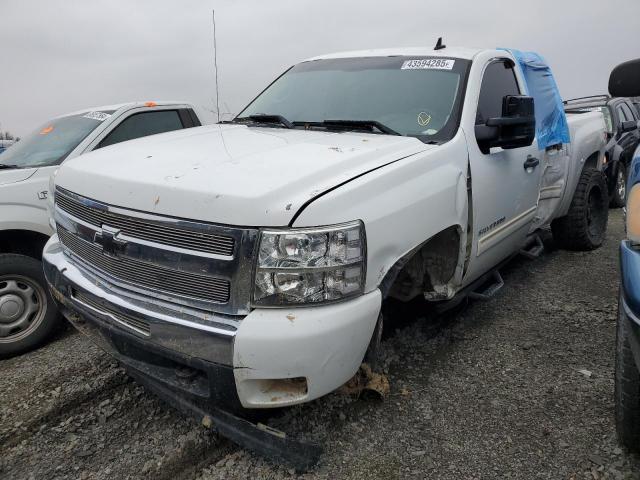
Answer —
28 314
627 385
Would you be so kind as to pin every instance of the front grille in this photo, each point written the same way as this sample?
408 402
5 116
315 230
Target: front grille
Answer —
146 275
137 324
147 229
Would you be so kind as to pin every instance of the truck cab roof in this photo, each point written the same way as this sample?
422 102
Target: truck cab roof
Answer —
122 107
448 52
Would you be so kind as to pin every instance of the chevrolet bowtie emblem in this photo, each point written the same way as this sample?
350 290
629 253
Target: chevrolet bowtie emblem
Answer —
107 239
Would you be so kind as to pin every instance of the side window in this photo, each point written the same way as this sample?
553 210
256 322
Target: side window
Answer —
142 125
627 112
621 114
499 80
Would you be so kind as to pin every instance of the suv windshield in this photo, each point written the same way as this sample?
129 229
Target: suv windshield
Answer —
413 96
51 143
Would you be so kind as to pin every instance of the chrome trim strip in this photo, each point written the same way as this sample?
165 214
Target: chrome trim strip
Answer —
109 315
495 236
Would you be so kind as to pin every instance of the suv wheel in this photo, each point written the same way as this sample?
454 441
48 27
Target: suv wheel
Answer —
585 225
627 385
28 314
619 194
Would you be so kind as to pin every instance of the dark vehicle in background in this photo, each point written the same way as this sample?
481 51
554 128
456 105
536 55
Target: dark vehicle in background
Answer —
4 144
621 117
625 81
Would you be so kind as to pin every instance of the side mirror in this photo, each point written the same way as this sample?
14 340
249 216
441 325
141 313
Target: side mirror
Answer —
515 128
628 126
624 80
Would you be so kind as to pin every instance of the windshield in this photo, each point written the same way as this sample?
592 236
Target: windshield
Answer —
414 96
51 143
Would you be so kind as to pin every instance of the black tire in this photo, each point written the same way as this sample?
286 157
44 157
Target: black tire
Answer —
585 225
28 314
627 386
618 194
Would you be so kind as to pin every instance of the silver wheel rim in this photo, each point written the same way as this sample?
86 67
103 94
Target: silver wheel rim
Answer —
620 185
23 304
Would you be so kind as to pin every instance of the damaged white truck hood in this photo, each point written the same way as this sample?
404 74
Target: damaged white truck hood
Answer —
230 174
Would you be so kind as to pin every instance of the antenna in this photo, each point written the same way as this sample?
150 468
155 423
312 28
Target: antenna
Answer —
215 63
439 45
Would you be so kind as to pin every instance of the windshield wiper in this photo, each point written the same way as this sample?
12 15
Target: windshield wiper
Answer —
4 166
266 118
359 124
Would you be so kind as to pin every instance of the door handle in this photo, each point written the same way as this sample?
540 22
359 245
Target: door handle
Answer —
531 162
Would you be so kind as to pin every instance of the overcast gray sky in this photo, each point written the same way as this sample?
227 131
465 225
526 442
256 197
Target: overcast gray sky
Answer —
60 56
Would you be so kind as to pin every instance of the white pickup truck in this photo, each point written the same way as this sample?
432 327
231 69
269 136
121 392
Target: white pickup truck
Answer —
245 264
27 313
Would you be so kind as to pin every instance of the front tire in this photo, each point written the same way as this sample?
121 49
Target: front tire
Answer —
619 193
585 225
627 386
28 314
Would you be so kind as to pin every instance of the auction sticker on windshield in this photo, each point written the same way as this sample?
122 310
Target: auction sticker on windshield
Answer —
428 63
100 116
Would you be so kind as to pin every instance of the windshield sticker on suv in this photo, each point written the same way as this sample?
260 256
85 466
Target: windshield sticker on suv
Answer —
99 116
46 130
428 63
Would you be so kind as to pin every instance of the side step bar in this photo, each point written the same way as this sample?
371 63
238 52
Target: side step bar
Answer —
534 250
260 439
496 283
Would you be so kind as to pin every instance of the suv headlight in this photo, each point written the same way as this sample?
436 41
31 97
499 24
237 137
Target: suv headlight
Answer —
310 265
632 214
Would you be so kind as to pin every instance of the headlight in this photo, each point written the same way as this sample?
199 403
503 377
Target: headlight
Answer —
310 265
633 214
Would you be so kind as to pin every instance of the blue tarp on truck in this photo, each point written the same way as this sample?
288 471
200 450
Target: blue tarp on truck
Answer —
551 122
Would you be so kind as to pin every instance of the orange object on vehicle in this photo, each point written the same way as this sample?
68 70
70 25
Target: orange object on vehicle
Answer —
46 130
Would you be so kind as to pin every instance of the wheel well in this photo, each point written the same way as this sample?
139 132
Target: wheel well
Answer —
427 269
592 161
24 242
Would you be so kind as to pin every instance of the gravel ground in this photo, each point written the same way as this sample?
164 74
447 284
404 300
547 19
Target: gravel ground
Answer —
517 387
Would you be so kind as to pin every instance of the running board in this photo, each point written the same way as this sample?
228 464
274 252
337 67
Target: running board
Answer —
535 250
260 439
496 283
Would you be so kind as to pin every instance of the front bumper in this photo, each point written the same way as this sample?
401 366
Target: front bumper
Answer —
270 358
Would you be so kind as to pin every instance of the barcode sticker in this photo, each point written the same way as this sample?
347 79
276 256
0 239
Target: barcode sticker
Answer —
428 63
99 116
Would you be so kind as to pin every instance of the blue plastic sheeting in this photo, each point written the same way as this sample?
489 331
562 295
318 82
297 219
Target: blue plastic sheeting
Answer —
551 121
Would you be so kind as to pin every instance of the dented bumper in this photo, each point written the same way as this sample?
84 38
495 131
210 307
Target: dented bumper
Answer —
270 358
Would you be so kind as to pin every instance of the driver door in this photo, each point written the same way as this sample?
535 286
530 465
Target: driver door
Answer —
505 182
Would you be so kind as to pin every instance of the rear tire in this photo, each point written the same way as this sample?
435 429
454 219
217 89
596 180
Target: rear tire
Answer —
585 225
627 386
28 315
619 194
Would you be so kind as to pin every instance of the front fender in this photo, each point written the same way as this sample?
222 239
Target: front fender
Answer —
19 217
402 205
23 205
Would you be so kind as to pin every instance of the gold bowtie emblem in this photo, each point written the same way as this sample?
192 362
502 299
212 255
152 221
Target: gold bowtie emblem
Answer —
423 119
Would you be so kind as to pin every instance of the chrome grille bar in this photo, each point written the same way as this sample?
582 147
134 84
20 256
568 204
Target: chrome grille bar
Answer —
146 229
137 324
147 275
